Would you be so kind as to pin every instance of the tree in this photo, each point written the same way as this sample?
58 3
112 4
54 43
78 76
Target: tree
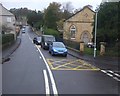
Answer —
34 18
67 10
52 14
107 29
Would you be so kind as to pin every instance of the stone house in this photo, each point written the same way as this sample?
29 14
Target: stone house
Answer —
8 20
79 26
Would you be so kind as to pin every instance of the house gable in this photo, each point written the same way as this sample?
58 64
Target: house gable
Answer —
83 22
84 15
4 11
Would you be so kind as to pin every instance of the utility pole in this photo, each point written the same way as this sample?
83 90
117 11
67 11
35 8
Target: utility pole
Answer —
95 34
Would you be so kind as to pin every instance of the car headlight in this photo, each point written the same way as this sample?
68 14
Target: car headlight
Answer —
65 50
45 44
54 50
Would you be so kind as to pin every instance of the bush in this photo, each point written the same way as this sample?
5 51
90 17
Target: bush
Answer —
51 32
7 38
72 44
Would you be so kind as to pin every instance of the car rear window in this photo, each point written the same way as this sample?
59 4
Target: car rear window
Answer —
52 39
58 44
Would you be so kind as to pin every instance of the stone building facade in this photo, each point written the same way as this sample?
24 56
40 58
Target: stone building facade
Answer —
7 19
79 27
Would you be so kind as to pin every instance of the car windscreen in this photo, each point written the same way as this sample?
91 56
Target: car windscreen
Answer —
52 39
39 38
59 45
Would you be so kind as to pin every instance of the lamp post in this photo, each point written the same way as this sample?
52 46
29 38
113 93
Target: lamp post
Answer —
95 34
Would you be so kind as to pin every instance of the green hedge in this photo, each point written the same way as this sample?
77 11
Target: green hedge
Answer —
72 44
51 32
7 38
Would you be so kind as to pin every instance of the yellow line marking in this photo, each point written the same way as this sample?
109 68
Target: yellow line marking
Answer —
85 65
77 69
59 61
50 64
65 64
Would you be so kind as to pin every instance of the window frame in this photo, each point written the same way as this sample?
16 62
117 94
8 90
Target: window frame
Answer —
73 32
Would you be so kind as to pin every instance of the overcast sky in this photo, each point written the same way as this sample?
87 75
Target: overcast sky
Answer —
41 4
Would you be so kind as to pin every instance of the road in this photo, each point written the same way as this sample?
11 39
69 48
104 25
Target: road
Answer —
32 70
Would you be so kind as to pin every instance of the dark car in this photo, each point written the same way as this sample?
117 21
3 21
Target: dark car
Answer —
58 48
37 40
46 41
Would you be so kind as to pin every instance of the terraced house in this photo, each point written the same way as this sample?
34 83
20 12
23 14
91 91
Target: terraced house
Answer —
79 27
7 21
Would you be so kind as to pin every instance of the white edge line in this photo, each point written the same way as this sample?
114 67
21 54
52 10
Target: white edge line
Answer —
117 74
51 75
110 75
46 83
116 78
103 71
111 71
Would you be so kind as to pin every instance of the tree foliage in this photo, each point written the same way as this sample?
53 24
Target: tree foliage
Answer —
34 18
107 27
52 14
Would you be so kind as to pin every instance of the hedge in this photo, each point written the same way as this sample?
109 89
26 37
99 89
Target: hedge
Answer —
51 32
7 38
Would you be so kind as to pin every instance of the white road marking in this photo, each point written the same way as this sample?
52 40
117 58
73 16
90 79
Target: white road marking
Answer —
51 75
50 72
110 75
117 74
103 71
116 78
46 83
40 57
110 71
30 38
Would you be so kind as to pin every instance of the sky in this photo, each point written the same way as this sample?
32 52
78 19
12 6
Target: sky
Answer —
42 4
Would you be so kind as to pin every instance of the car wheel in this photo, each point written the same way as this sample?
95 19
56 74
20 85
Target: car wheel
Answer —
52 53
65 55
49 52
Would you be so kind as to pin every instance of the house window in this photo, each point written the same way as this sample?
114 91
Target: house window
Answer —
9 19
72 31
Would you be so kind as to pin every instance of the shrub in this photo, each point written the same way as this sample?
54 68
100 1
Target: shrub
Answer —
7 38
72 44
51 32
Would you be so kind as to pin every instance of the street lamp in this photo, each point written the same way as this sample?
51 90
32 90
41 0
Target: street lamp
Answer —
95 34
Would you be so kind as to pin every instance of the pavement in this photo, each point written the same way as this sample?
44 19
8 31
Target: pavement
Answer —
9 50
78 55
102 61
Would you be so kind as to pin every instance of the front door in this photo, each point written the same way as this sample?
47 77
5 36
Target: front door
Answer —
85 37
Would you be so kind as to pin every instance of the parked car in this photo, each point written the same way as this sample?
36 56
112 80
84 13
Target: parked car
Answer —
57 48
46 41
90 45
37 40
